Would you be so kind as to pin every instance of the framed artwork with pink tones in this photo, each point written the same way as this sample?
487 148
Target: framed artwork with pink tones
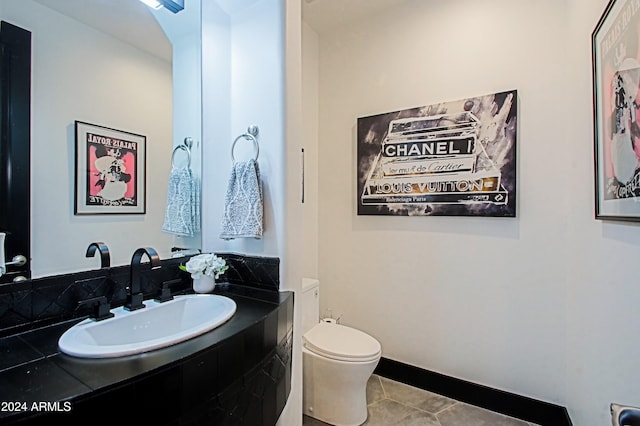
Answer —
110 171
616 109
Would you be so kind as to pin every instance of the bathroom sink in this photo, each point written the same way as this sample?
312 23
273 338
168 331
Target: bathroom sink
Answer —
156 326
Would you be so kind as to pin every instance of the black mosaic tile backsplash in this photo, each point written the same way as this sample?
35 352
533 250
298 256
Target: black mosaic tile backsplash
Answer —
47 300
252 271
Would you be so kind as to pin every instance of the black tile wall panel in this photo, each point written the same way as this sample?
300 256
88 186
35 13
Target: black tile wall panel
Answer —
47 300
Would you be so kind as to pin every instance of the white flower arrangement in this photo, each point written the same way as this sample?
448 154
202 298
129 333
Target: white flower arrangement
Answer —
205 264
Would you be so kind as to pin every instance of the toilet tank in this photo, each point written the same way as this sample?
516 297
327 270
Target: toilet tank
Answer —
310 303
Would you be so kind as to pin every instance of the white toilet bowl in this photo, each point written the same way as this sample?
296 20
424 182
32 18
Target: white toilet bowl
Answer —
337 363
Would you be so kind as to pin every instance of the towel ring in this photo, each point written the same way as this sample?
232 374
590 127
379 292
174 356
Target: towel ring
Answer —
184 148
248 137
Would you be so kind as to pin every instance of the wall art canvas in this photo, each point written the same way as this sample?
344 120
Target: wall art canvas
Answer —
454 158
616 78
110 171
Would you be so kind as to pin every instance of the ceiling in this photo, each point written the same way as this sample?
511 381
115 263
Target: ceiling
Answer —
326 15
133 22
128 20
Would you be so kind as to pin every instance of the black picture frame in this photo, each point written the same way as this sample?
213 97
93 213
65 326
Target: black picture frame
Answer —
615 49
110 171
455 158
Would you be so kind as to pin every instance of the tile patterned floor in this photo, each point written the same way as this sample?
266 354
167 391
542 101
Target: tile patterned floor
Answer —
392 403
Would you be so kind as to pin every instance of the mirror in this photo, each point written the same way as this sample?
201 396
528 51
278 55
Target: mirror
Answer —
109 63
15 120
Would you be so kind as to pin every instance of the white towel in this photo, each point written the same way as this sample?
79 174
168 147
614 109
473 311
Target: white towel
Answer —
183 204
243 206
195 204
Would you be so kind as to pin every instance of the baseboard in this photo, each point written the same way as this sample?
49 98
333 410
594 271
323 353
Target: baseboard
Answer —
509 404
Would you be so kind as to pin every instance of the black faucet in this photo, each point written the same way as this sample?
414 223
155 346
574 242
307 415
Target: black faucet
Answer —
165 291
134 292
105 261
101 308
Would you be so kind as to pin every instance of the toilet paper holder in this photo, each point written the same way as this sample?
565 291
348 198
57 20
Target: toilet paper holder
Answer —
622 415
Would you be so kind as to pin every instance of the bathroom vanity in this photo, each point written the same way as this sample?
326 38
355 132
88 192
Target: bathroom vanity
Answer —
236 374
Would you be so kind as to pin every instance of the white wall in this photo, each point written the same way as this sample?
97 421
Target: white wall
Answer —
82 74
542 305
244 65
216 119
458 295
602 290
250 92
301 218
309 141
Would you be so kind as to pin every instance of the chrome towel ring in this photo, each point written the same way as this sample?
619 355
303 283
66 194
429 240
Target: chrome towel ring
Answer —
186 146
251 135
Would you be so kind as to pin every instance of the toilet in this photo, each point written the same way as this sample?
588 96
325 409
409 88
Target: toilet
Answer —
337 362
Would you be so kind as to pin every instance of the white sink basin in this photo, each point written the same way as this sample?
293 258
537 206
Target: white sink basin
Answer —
156 326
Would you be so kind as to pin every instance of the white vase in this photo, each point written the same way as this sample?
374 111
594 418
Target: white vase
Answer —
204 284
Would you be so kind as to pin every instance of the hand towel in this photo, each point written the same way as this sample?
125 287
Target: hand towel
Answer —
243 206
182 216
195 204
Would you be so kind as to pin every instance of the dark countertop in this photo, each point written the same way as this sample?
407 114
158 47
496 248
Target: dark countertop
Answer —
32 369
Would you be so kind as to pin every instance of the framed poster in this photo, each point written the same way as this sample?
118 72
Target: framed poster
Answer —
450 159
616 76
110 171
